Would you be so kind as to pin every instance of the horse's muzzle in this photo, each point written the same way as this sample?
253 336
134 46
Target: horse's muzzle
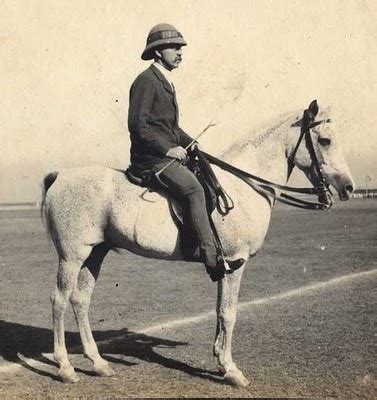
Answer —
346 192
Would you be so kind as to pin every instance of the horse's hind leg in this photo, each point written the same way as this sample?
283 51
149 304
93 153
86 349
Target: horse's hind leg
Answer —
69 268
80 300
226 318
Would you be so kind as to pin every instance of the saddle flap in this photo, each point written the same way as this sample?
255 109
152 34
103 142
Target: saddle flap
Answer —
174 206
176 210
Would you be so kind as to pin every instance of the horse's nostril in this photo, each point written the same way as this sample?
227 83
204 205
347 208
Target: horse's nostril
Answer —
349 188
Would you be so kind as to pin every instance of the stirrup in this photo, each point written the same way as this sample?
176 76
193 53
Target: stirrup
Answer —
231 266
224 267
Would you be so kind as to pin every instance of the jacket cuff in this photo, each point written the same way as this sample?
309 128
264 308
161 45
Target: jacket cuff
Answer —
162 146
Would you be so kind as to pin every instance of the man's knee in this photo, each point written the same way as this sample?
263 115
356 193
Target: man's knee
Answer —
182 182
196 190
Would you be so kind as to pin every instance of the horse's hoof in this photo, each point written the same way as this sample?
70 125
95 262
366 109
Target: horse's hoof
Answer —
222 370
236 378
68 375
104 370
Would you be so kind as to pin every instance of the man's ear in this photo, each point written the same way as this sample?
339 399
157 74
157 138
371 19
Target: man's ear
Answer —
157 53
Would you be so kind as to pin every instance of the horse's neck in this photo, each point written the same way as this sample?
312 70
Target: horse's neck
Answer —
265 155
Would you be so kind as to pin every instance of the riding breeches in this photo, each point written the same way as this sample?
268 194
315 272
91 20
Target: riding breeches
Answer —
183 185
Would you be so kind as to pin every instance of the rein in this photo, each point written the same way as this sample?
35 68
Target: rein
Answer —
266 188
263 186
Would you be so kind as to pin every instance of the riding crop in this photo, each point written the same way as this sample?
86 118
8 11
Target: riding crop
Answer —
158 173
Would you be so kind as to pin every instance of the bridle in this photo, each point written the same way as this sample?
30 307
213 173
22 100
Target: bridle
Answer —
267 188
321 187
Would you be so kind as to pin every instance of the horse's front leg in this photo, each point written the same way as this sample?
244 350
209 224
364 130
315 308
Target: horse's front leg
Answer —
226 318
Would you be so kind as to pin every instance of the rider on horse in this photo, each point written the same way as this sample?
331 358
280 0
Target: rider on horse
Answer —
156 139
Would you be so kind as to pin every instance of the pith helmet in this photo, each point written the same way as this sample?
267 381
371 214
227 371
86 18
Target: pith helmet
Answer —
159 35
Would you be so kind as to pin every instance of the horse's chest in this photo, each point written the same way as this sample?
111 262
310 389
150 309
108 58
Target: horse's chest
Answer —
245 227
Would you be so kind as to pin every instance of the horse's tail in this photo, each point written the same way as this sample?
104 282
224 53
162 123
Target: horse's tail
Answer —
48 181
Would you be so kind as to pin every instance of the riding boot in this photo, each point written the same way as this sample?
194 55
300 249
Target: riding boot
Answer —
216 266
189 244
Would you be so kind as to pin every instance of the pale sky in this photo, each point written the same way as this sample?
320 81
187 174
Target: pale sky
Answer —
67 68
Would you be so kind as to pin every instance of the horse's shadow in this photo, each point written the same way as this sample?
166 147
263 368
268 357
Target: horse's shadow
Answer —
18 340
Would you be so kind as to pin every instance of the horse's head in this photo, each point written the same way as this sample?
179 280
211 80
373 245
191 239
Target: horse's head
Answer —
319 155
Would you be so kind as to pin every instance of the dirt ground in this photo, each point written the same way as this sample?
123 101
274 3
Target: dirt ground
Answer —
306 323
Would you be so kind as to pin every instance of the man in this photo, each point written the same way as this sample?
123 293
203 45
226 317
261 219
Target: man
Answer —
156 139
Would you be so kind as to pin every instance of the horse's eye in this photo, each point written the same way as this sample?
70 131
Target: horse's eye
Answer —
324 141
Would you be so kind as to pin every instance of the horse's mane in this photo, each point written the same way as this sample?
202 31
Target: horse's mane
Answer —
262 132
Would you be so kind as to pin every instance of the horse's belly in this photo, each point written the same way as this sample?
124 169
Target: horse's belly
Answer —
145 226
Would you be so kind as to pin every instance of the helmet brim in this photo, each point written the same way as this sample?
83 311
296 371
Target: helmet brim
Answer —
148 53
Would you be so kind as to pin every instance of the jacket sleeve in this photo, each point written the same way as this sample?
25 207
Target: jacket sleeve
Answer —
184 138
140 107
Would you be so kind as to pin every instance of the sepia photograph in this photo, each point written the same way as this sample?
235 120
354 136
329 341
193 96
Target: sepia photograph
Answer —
188 199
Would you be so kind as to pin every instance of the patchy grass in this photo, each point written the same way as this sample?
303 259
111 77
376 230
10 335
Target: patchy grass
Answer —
133 292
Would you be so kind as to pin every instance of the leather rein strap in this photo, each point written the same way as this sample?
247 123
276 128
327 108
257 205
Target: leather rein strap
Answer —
266 188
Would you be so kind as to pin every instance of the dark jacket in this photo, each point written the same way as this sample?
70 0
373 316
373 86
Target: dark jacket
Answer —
153 122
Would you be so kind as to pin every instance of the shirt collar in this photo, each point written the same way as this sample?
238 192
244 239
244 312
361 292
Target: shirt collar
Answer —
166 73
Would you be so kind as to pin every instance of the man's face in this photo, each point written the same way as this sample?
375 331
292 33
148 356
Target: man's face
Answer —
170 56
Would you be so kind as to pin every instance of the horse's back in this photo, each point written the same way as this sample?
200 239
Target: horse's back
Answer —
84 188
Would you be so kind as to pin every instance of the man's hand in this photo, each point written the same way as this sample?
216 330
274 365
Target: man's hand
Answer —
177 152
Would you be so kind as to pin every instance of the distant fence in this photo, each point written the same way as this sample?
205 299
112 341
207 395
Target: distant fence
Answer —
364 194
19 206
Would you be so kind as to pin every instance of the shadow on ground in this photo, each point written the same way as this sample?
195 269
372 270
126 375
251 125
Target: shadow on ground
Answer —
32 342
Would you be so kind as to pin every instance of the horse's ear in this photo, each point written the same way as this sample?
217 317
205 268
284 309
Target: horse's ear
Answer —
306 120
313 109
310 114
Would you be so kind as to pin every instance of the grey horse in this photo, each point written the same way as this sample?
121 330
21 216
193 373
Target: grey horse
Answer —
91 210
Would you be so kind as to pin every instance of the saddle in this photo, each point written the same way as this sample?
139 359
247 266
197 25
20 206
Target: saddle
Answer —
216 197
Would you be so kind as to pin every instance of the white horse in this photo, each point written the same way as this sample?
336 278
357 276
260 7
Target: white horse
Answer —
92 210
